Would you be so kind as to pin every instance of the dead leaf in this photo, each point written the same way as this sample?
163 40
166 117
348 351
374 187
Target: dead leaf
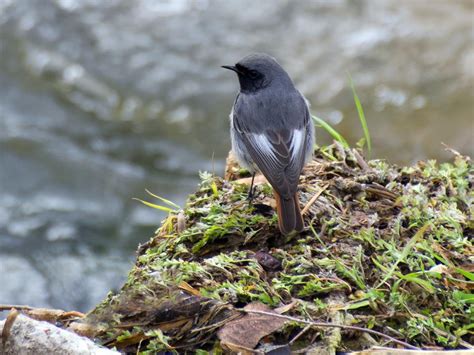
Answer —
286 307
313 199
244 333
133 339
52 315
85 329
180 222
188 288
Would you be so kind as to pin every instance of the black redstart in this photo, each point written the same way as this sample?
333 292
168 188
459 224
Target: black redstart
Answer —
272 132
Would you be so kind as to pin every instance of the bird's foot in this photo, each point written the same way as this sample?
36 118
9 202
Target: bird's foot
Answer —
251 193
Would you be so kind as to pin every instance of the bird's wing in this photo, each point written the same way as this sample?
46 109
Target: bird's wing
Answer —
279 154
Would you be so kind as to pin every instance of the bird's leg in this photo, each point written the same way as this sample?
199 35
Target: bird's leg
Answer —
251 190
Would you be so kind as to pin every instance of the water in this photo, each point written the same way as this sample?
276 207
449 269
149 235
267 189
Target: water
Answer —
102 99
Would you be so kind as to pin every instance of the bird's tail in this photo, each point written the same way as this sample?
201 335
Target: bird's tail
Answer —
289 214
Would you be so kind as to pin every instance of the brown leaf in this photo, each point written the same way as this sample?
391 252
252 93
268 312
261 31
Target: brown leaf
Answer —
188 288
286 307
180 222
133 339
85 329
52 315
244 333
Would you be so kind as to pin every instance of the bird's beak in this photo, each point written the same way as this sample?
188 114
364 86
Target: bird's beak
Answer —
230 67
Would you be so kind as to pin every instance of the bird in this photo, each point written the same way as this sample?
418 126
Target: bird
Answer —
272 132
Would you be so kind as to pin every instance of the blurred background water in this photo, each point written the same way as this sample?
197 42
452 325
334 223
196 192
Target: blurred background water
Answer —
100 99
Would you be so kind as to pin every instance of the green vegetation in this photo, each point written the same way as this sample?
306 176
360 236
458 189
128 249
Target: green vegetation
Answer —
386 248
328 128
363 122
168 207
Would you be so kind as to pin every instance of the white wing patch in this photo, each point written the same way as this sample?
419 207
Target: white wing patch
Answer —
296 144
264 145
266 149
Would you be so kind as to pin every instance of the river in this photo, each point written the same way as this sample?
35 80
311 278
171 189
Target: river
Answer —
102 99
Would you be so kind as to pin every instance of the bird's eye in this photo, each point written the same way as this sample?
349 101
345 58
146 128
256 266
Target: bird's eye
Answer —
253 74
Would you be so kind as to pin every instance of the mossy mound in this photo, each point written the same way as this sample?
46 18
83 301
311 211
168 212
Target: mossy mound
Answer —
387 248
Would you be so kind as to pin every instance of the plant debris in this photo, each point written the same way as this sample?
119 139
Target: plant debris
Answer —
386 248
244 333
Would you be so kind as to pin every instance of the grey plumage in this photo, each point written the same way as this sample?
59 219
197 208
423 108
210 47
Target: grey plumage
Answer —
272 131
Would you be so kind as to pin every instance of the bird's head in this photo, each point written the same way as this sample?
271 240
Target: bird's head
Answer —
257 71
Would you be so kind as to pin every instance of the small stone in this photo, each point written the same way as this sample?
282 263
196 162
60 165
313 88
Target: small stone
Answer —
268 262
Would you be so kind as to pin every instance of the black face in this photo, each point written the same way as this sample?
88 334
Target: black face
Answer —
251 80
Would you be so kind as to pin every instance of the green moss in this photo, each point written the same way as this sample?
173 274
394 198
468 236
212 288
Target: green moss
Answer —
392 243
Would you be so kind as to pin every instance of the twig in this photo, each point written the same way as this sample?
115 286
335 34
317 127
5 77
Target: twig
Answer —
313 199
8 325
382 191
448 335
332 325
215 325
360 160
451 150
7 307
297 336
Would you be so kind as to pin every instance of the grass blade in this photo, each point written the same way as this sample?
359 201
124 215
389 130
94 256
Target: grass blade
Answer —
423 283
356 305
152 205
362 119
468 275
335 134
406 250
168 202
